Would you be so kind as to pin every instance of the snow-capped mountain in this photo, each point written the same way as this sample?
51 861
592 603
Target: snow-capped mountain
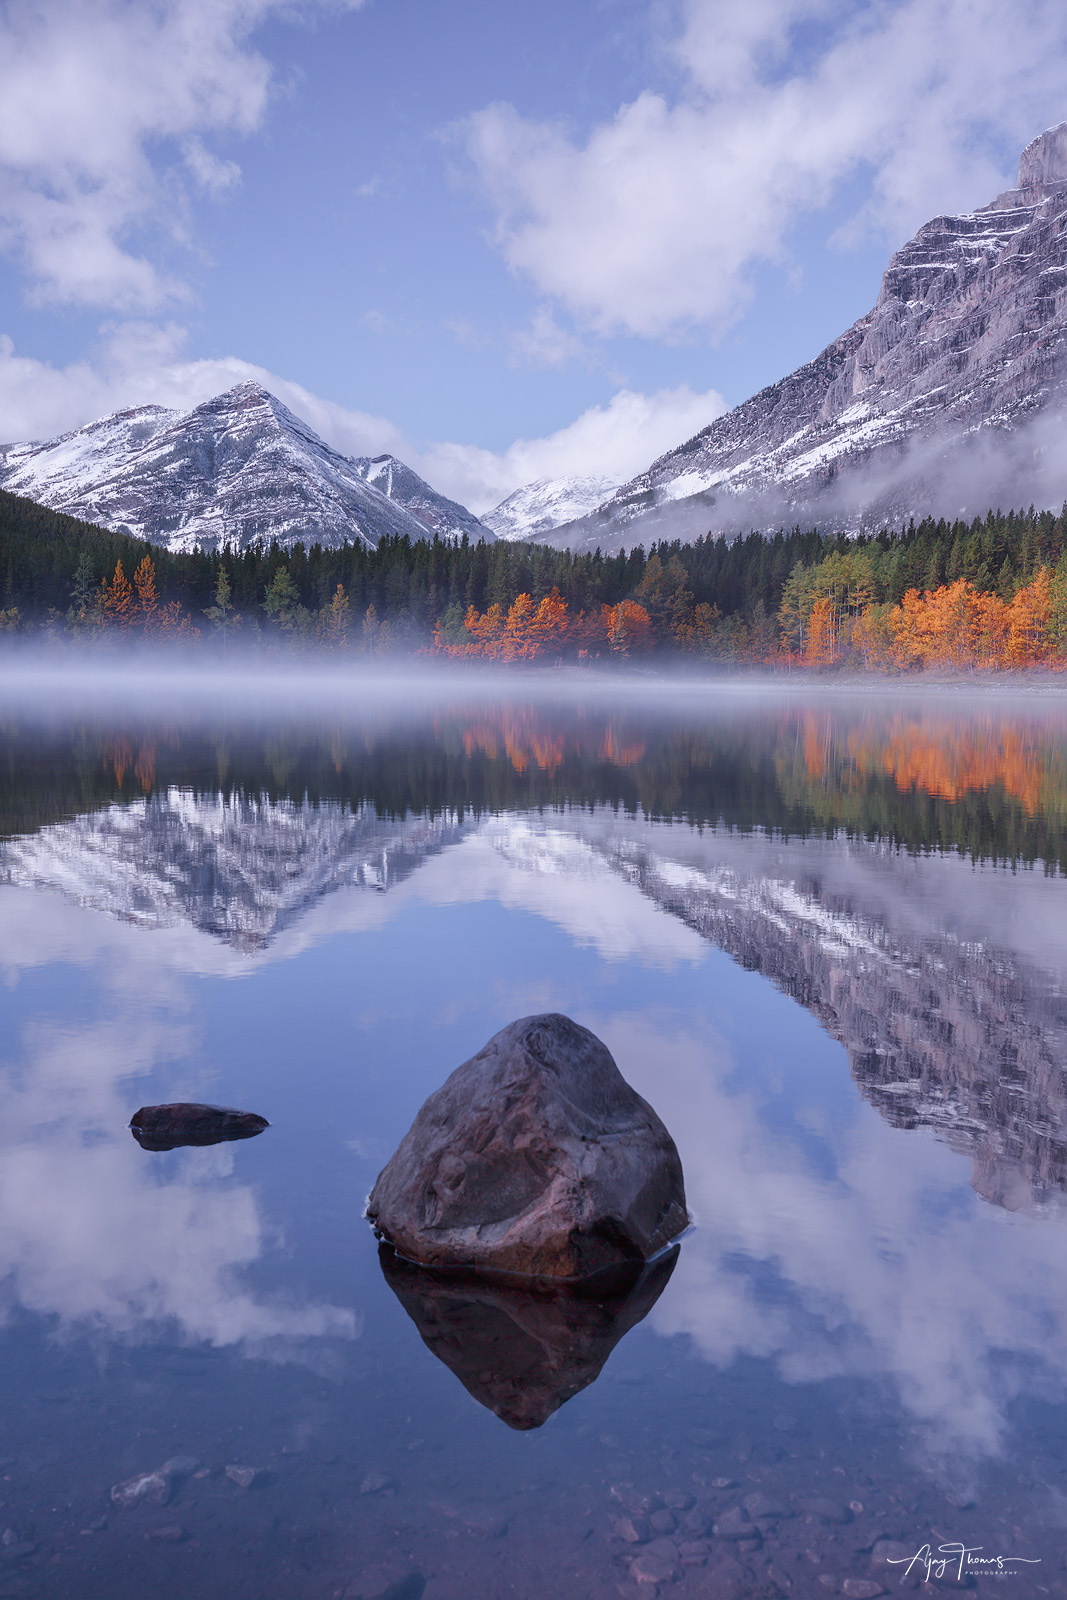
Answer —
438 515
539 507
235 470
946 397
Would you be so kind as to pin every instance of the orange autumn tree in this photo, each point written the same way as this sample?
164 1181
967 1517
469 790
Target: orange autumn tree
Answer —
953 626
821 647
547 631
116 600
485 633
628 627
125 605
1029 639
334 620
524 634
144 581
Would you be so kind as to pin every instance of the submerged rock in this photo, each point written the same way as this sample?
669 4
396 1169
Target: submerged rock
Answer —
171 1127
522 1351
534 1158
147 1488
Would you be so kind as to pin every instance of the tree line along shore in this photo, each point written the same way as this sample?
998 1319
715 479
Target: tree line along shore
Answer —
987 594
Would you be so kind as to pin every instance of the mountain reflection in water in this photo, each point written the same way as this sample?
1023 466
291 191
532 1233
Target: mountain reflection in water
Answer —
523 1350
852 858
950 1018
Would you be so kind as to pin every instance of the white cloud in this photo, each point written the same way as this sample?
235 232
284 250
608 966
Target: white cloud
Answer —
656 219
614 441
140 363
101 103
544 343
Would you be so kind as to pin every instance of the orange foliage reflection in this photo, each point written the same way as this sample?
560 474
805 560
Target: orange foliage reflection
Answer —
530 738
938 755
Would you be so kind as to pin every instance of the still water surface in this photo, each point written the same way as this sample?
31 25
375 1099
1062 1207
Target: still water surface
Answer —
828 942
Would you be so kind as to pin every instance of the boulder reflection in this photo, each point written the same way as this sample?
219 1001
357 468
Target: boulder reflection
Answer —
524 1349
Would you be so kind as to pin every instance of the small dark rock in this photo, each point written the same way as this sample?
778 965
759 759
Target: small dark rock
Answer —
695 1523
762 1508
657 1563
633 1530
677 1499
248 1477
634 1499
171 1127
662 1522
735 1524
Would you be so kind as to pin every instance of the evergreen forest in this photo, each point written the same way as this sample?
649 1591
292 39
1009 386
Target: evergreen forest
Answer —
987 593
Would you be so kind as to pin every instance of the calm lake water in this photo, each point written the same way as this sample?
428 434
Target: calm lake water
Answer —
825 937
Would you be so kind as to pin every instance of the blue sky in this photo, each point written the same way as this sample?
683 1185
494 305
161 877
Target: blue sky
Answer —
503 241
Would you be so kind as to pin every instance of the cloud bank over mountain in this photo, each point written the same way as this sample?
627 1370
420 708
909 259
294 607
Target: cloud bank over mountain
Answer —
659 218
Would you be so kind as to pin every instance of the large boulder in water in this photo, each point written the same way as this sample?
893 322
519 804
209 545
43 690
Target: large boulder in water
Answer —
536 1158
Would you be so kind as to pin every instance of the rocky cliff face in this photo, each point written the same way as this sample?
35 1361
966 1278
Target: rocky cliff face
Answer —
944 397
438 515
239 469
942 1032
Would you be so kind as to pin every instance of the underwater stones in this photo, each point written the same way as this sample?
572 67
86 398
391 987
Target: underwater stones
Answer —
735 1524
535 1158
147 1488
186 1123
817 1505
156 1487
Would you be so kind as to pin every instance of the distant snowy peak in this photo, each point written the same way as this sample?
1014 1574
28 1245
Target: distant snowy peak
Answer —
438 515
237 470
539 507
923 405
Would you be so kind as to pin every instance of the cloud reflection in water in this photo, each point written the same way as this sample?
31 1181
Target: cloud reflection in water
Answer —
882 1262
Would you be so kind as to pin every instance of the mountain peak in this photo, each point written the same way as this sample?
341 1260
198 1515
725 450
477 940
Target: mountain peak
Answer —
1043 163
237 470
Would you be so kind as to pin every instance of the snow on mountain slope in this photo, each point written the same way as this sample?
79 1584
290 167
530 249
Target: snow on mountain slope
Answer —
944 398
539 507
241 868
438 515
236 470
